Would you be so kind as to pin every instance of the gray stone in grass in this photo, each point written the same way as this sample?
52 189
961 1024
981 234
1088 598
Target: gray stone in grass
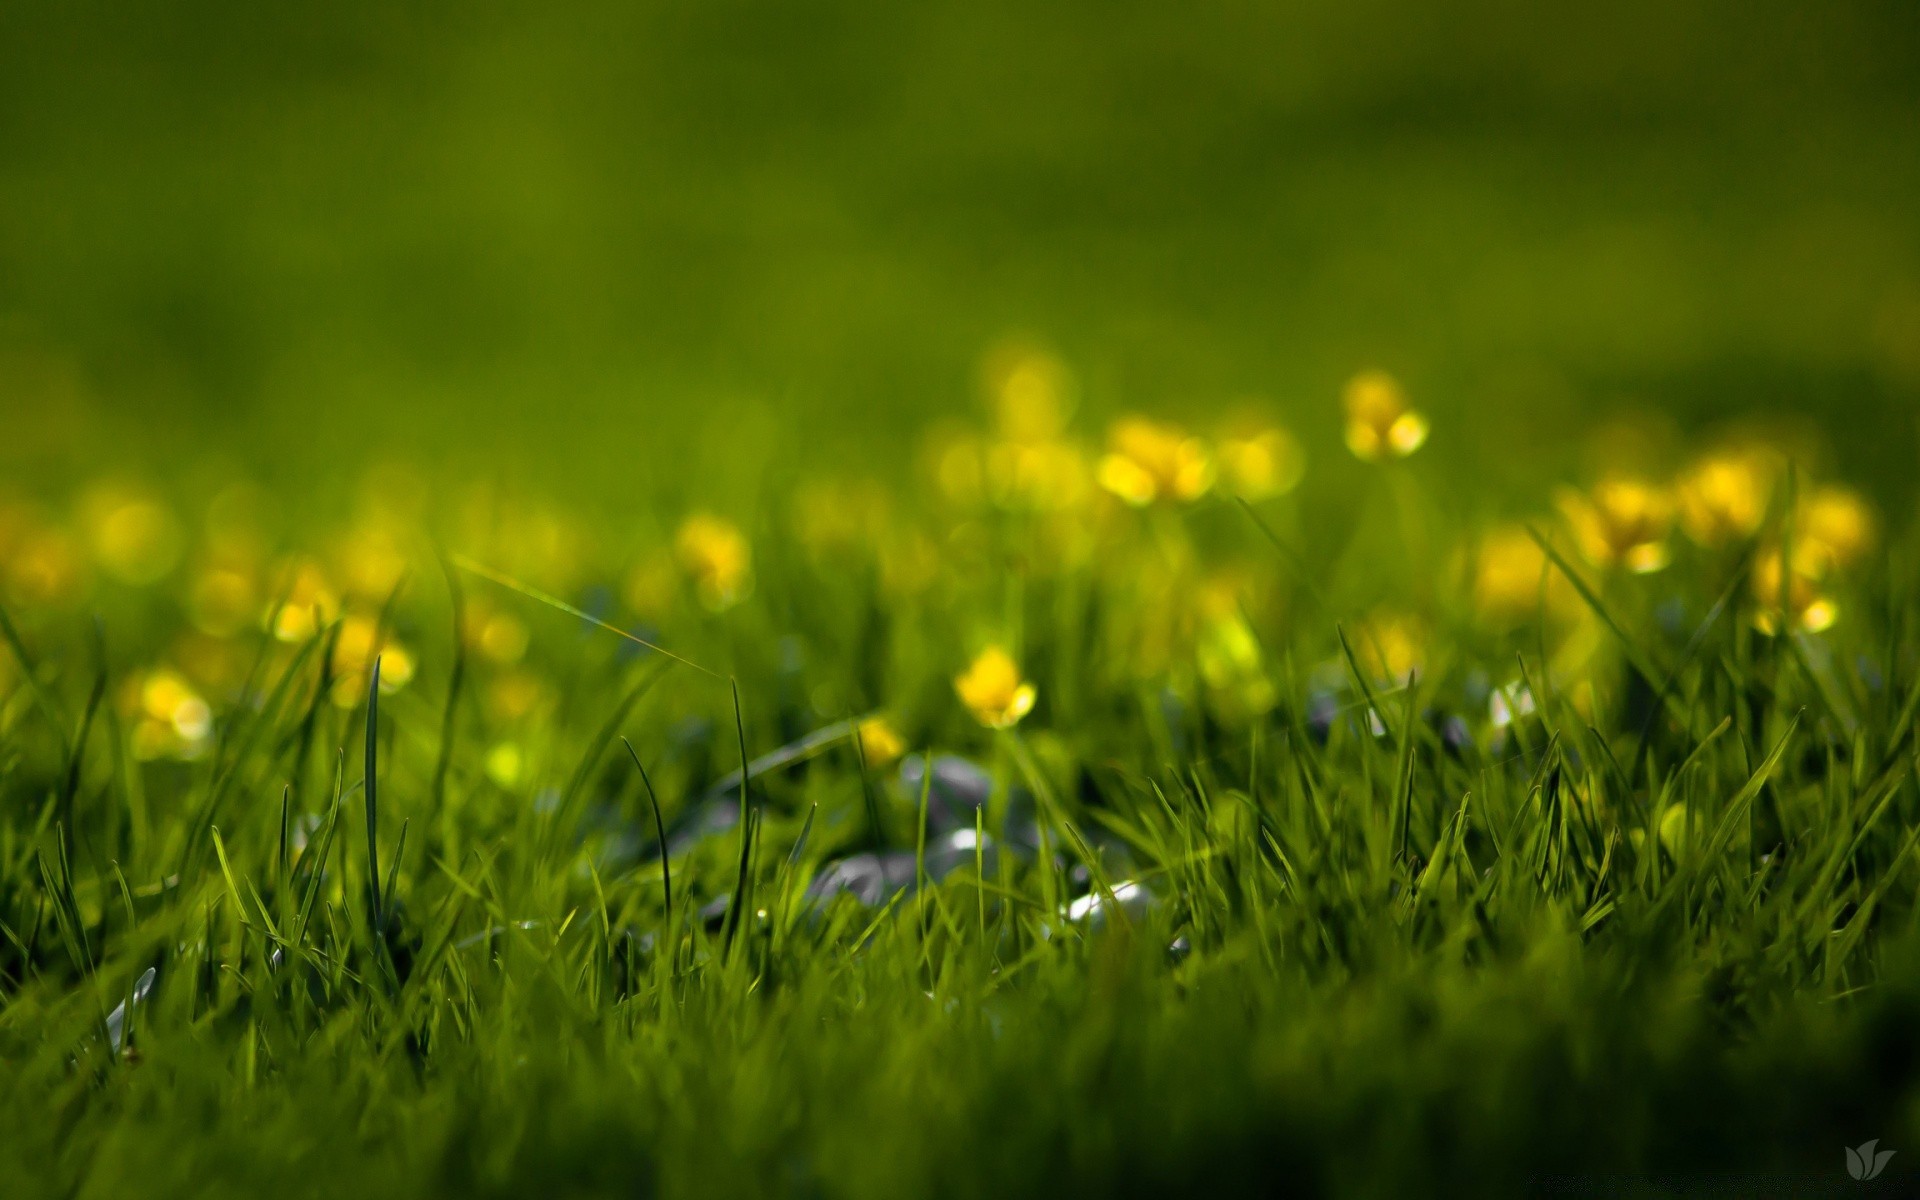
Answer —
873 879
1095 909
959 788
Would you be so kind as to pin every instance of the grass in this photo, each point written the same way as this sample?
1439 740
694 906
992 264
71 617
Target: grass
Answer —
1619 890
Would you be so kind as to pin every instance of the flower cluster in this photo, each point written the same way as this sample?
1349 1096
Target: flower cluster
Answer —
1129 515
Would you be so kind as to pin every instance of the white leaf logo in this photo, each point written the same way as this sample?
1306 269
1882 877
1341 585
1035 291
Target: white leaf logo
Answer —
1864 1163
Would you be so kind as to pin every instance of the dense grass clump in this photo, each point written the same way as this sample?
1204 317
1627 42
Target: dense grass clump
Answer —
1075 821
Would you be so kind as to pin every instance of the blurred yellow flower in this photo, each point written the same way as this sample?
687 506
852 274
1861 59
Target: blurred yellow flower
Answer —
1043 475
1029 389
1390 645
1835 523
171 719
1148 461
308 604
716 559
1261 463
993 691
515 696
494 634
1621 522
371 561
1512 578
1228 656
505 764
137 539
43 568
880 743
1802 597
652 587
223 599
360 641
1380 422
1723 496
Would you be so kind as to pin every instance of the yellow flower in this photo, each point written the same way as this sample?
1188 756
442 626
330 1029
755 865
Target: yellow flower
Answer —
171 718
1837 524
715 557
1622 522
516 696
993 691
1806 605
652 587
1390 645
223 599
136 539
1228 655
880 744
1261 463
1029 392
371 561
1723 496
504 764
309 603
1042 475
1380 423
1511 578
45 567
360 641
1148 461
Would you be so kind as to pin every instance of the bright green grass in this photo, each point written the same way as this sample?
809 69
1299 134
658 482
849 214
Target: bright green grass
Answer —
1412 968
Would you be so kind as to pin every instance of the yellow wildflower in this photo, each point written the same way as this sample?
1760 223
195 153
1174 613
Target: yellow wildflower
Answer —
715 557
171 718
360 641
1390 645
1029 390
1622 522
135 538
223 598
1149 461
1042 475
1262 462
372 561
505 763
1512 576
1837 524
993 691
309 603
1228 655
652 587
44 568
495 634
1802 597
516 696
1380 422
1723 496
880 744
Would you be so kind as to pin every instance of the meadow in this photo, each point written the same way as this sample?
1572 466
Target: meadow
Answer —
670 600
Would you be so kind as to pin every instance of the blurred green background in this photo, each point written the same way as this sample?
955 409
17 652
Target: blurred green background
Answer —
601 245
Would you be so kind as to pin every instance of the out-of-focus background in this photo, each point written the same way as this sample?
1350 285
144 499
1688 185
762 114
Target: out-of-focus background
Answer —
610 248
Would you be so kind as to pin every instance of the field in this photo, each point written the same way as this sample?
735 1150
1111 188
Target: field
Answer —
693 600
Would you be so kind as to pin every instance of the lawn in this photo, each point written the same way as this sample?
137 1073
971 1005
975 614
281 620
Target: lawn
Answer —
690 600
